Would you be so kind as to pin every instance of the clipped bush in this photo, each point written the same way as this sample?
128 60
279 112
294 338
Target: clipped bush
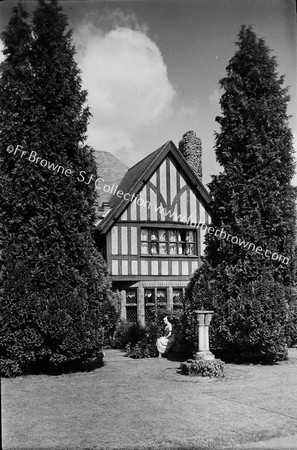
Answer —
210 369
200 295
254 328
253 322
128 333
291 322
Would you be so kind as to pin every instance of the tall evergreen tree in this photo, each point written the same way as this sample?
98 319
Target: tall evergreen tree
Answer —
252 199
55 289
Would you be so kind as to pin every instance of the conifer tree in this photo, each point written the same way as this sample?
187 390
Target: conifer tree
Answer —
55 289
252 198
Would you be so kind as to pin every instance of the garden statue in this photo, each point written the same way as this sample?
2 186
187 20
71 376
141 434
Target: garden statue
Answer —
165 343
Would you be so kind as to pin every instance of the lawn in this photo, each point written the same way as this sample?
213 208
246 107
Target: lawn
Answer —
142 404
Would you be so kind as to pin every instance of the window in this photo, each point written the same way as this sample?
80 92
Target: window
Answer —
131 314
131 305
162 297
149 303
156 241
131 296
151 295
177 298
154 298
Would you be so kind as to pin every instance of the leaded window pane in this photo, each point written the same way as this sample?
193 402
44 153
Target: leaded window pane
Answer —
172 249
131 314
168 242
191 249
172 236
177 296
148 314
161 295
131 296
190 236
154 235
144 248
162 235
144 234
148 296
154 248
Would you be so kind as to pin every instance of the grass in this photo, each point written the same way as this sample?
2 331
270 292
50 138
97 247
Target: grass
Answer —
146 404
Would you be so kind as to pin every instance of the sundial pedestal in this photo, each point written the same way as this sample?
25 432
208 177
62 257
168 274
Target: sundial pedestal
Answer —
203 319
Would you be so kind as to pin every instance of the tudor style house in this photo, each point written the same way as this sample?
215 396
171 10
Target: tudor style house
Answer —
148 228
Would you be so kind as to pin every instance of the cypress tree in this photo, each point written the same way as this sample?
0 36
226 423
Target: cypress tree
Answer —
252 201
55 288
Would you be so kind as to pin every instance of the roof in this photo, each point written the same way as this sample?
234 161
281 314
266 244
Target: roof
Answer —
111 169
140 173
134 174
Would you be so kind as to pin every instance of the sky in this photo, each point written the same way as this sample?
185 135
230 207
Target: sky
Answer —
152 68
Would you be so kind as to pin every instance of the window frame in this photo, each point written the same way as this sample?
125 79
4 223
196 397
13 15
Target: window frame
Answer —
155 296
180 241
132 306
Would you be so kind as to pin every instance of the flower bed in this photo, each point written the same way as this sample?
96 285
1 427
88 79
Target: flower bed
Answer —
193 368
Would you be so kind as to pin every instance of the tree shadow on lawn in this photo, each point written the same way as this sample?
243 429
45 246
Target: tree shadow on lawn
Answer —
178 356
45 368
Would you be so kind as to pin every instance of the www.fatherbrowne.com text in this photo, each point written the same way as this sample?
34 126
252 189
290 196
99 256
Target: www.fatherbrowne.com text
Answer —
219 233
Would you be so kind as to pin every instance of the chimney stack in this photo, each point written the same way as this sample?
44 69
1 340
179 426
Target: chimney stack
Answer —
191 148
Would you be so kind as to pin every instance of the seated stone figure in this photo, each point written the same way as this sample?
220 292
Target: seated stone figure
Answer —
165 343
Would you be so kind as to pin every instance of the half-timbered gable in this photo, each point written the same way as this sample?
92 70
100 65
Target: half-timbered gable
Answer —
151 238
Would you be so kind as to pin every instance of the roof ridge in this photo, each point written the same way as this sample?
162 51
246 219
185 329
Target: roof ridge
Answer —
139 174
149 156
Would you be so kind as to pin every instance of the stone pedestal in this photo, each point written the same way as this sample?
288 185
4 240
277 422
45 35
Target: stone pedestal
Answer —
203 321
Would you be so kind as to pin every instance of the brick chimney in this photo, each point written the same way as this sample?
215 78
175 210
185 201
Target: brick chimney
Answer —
191 148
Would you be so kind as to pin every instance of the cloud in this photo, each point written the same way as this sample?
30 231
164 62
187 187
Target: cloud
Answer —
2 57
188 111
126 78
295 141
215 96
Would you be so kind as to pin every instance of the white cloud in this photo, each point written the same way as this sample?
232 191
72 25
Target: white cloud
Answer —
2 57
126 78
295 141
215 96
189 111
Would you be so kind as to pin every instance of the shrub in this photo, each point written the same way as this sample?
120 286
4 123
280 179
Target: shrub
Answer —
291 323
139 341
155 325
192 367
141 350
110 310
128 333
253 326
200 294
252 323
